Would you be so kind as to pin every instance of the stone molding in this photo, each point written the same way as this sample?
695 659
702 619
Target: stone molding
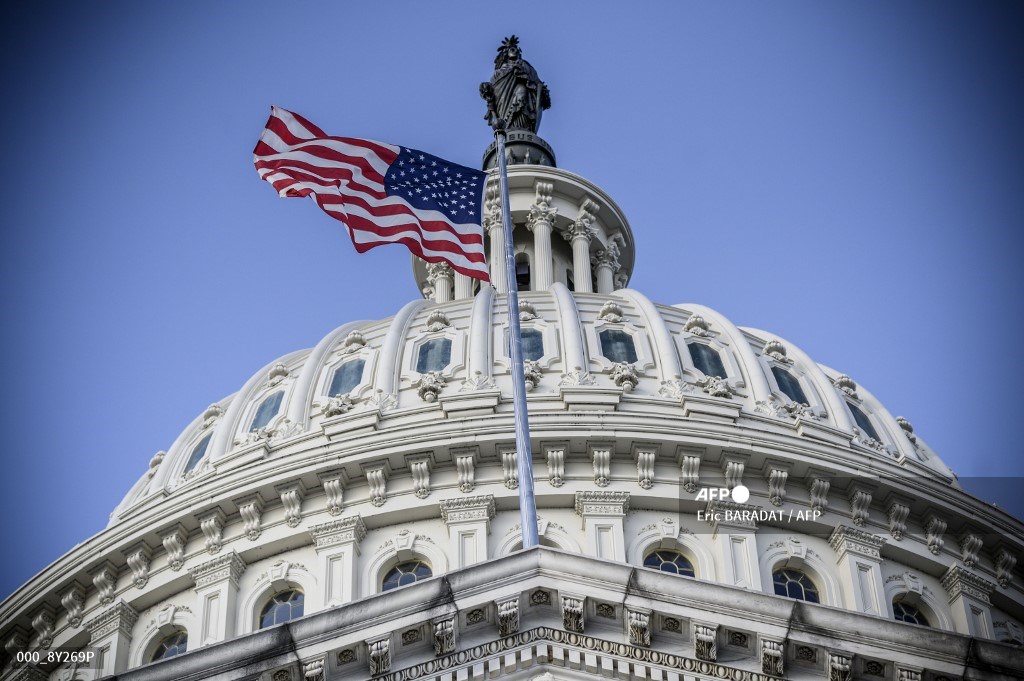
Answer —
601 502
120 617
958 581
846 540
343 530
468 509
230 566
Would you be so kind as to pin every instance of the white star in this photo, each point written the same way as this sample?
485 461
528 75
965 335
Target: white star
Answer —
422 157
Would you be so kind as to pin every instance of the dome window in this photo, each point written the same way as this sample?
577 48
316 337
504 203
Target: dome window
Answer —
706 359
905 612
346 378
267 411
670 561
533 344
406 573
283 607
171 646
522 272
618 346
198 452
434 355
863 422
789 385
795 584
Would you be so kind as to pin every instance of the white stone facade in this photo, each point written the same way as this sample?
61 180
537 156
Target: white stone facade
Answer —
332 491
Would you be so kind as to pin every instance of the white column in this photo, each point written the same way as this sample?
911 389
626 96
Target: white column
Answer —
604 272
579 234
337 547
540 221
110 633
969 601
217 598
463 286
439 275
469 521
858 555
603 514
734 532
496 230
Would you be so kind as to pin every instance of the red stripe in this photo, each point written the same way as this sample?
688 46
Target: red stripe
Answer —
414 246
403 209
316 132
297 168
363 225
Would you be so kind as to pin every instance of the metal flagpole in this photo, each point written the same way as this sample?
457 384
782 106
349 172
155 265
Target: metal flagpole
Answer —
524 453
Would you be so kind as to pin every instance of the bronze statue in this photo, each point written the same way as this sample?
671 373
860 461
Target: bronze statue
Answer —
515 95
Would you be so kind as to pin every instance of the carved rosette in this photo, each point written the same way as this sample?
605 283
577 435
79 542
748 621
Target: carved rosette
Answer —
313 670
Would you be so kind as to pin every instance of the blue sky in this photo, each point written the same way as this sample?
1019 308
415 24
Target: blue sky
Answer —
846 175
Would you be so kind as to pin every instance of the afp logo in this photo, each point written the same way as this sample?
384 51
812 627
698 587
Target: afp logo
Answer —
740 494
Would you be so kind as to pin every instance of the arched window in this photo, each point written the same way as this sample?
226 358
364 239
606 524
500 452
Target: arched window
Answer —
863 422
266 411
406 573
170 646
434 355
522 272
706 359
618 346
346 377
283 607
795 584
198 452
670 561
906 612
789 385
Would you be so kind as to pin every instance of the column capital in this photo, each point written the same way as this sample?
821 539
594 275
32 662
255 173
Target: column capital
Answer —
228 567
467 509
120 617
438 269
960 582
348 530
541 214
846 540
601 502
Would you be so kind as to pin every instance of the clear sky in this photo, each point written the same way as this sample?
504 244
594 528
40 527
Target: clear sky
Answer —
846 175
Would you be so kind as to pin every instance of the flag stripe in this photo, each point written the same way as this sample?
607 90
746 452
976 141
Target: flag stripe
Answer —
349 179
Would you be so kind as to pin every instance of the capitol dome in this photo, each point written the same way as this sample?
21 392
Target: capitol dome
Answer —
352 510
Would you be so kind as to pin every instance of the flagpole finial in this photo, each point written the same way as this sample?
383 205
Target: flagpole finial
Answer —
516 97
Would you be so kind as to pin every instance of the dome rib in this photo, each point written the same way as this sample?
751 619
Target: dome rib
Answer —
387 379
570 329
759 388
481 331
302 392
669 365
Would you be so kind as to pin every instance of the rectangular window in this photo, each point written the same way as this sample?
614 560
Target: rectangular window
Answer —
618 346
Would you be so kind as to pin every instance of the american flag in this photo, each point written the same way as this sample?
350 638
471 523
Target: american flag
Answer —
382 193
